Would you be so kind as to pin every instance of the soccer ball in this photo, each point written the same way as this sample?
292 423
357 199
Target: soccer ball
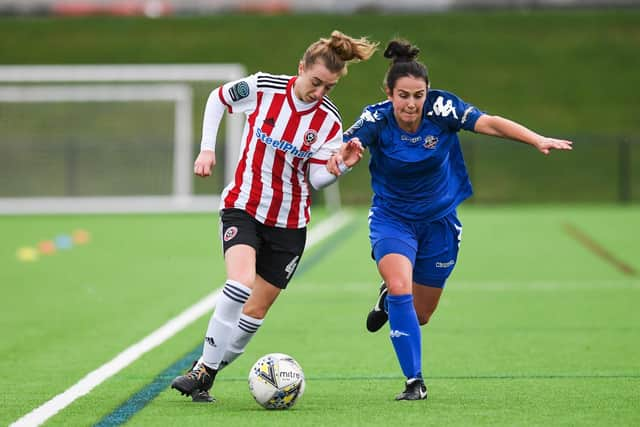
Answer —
276 381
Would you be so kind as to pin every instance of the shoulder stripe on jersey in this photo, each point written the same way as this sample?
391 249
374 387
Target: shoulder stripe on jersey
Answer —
331 107
273 78
272 86
271 82
278 83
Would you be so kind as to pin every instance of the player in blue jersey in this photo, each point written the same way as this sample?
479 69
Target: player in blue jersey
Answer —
418 177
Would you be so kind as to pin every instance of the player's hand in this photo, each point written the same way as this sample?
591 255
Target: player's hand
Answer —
545 145
204 163
351 152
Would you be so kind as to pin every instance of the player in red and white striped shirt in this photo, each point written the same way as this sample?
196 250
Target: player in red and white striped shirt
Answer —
282 138
291 131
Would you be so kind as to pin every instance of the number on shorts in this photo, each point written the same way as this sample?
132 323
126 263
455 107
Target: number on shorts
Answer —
291 267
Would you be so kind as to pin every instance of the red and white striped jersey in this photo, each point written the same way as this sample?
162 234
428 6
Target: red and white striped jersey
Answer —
278 142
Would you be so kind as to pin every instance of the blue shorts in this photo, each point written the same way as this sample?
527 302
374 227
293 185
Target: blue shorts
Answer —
432 247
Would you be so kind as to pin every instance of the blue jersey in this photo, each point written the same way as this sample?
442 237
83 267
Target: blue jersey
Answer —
422 175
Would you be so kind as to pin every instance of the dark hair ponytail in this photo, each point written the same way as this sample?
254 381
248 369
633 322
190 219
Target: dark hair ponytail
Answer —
401 51
403 63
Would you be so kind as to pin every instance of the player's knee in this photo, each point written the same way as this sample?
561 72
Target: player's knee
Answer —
255 311
398 287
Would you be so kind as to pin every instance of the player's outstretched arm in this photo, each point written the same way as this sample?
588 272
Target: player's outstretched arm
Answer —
505 128
204 163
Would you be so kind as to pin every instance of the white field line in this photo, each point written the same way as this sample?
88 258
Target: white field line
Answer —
166 331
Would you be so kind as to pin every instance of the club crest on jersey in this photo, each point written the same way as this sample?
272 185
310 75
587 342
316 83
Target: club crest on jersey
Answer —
239 91
430 142
310 137
230 233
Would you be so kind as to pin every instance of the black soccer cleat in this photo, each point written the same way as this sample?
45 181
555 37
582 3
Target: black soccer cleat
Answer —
198 380
202 396
378 316
414 390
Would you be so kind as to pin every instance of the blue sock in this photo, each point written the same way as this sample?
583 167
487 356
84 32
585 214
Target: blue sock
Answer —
405 334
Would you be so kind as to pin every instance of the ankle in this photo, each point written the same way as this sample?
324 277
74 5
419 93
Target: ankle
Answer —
210 371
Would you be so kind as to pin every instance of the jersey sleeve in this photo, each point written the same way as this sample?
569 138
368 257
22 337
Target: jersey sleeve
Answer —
213 112
320 177
239 96
451 111
365 128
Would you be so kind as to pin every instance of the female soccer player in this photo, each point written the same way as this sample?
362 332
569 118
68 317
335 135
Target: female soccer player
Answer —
418 177
291 131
